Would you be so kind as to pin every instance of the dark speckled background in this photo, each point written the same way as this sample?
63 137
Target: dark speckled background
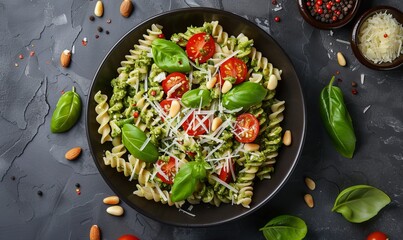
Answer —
32 159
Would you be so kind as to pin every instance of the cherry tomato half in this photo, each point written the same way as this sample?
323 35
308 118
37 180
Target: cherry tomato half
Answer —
169 170
377 236
172 80
128 237
233 67
193 128
225 173
200 46
166 105
246 128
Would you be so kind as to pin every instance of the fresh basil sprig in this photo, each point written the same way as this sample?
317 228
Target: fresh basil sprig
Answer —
186 180
337 120
169 57
196 97
133 139
285 227
244 95
67 112
360 203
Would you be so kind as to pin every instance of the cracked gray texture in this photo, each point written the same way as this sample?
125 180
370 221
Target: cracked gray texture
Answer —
35 157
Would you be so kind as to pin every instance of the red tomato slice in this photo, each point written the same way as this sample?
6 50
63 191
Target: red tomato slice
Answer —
193 128
233 67
377 236
169 170
200 47
172 80
166 105
128 237
225 173
246 128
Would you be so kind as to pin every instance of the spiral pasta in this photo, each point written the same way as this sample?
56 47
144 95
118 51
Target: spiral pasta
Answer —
277 113
218 33
262 67
151 192
115 160
103 117
244 182
143 46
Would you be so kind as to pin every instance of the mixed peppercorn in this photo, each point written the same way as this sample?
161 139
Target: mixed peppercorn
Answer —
329 11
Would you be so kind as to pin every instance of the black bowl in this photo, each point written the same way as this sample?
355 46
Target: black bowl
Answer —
289 90
398 15
318 24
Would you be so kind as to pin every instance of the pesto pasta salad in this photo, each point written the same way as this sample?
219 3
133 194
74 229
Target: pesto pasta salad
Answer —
193 118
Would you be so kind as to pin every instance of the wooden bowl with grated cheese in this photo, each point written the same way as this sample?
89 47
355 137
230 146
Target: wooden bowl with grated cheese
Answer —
377 38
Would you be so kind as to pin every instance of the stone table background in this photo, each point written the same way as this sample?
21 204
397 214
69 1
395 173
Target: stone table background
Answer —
32 159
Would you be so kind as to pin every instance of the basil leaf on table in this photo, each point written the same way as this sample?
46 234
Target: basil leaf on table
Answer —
337 120
196 98
67 112
169 57
285 227
360 203
244 95
184 183
133 139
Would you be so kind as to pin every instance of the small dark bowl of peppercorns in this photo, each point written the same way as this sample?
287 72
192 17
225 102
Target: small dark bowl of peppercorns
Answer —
328 14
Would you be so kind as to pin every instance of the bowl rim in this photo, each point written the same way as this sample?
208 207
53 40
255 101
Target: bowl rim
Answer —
281 184
354 39
326 26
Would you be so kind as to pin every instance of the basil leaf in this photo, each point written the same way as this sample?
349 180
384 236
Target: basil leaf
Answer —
285 227
199 170
193 98
360 203
169 57
184 183
244 95
337 120
67 112
133 139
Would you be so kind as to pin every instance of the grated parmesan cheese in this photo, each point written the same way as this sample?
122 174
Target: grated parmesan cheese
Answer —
188 213
160 77
366 109
173 89
231 188
380 38
145 143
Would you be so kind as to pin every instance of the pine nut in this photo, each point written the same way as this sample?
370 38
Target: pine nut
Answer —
309 200
141 102
310 183
272 84
251 147
341 60
287 138
99 9
216 123
115 210
226 87
210 84
95 233
175 108
111 200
